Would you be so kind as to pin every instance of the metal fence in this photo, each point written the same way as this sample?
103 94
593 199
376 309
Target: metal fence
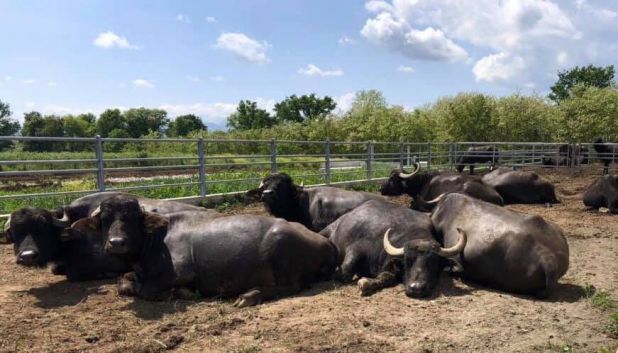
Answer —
199 167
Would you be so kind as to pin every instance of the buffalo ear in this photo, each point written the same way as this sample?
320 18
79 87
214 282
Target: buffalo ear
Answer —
82 226
154 223
453 266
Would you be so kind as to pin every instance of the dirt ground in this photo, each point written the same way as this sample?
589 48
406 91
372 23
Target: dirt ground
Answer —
40 312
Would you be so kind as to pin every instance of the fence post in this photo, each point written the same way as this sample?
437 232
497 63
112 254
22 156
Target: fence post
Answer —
408 155
273 156
327 162
513 157
451 151
401 161
100 163
201 155
369 160
429 155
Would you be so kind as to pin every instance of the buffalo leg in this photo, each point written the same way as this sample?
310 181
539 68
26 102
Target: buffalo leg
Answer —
258 295
471 169
368 286
129 285
347 270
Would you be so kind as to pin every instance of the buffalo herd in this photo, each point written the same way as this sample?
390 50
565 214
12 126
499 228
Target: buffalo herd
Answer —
158 249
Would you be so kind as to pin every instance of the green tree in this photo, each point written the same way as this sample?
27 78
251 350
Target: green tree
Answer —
524 119
303 108
465 117
8 126
82 125
42 126
116 146
367 102
140 121
588 76
109 120
249 116
185 124
589 113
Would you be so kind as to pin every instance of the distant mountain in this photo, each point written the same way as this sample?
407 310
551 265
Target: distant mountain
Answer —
215 127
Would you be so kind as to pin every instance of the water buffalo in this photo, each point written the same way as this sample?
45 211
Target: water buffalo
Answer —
315 208
567 155
39 237
506 250
386 244
477 155
256 257
516 186
427 186
606 152
603 193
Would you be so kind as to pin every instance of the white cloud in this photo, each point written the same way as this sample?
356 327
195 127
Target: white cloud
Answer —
397 35
344 102
28 81
345 40
110 39
183 18
244 47
52 84
406 69
211 19
7 78
217 78
142 83
498 67
194 79
602 13
524 41
312 70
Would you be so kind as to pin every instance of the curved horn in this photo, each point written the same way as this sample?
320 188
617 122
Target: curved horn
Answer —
7 225
302 184
455 249
261 185
96 212
403 175
62 222
389 248
437 199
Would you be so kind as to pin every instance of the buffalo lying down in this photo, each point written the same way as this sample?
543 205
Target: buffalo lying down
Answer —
507 250
517 186
39 237
423 187
477 155
256 257
386 244
603 193
315 208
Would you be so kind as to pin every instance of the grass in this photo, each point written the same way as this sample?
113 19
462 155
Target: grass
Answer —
612 326
601 300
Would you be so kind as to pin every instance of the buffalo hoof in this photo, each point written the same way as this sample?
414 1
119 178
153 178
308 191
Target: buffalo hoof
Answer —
603 209
364 287
58 269
251 298
185 294
128 285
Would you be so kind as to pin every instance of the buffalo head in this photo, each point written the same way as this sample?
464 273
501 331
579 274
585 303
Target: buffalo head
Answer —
422 262
401 182
35 234
279 193
123 223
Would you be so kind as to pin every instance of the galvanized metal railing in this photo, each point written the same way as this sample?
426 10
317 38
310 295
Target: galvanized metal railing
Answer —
207 166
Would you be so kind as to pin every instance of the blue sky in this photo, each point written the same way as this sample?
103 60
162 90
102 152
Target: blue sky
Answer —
204 56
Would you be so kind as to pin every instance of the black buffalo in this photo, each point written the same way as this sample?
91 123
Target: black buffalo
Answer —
516 186
386 244
424 187
39 237
477 155
506 250
256 257
315 208
603 193
567 155
606 153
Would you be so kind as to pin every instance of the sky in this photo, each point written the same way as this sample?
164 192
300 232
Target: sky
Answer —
203 57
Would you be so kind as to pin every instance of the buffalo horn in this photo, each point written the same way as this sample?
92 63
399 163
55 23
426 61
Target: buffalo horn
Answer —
455 249
437 199
96 212
62 222
389 248
7 225
403 175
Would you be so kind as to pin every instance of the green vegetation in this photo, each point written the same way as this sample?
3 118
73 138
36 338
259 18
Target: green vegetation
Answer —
612 325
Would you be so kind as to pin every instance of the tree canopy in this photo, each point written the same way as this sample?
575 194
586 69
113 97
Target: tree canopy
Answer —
249 116
587 76
8 126
185 124
303 108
